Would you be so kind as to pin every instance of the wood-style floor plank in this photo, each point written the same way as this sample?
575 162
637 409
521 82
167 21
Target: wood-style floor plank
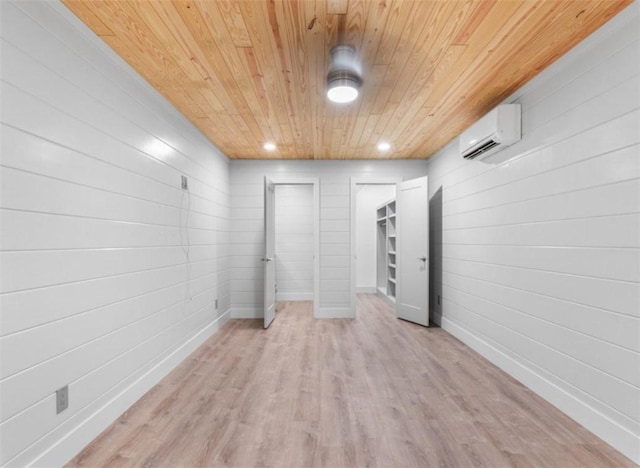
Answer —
375 391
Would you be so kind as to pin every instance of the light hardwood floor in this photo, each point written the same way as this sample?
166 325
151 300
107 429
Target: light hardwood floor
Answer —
375 391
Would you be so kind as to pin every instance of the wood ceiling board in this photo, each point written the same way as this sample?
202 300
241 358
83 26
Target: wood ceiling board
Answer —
90 19
409 93
465 101
182 20
249 71
317 70
494 84
295 61
230 14
413 116
268 57
364 110
337 7
480 12
399 15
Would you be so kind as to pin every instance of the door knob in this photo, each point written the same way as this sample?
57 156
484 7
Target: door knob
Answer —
424 259
266 259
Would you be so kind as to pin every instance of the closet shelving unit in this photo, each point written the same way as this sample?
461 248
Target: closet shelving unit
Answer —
386 251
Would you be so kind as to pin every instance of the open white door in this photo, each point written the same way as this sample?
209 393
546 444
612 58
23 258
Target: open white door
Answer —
269 253
412 230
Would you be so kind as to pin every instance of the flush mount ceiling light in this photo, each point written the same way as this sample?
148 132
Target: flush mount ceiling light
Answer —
269 146
342 90
343 79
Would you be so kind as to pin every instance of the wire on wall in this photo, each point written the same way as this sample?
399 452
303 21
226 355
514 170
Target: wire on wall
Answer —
185 243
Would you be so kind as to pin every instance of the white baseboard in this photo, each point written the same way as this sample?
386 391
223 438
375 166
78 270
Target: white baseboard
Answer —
366 289
294 296
322 312
435 316
383 294
72 436
334 312
246 313
615 435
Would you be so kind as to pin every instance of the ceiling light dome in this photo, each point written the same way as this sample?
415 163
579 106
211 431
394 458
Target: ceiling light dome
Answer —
343 79
342 87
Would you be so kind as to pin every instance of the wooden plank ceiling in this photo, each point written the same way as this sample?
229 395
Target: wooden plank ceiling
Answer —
247 72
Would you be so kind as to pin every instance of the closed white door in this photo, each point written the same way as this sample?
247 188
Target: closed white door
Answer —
269 253
412 247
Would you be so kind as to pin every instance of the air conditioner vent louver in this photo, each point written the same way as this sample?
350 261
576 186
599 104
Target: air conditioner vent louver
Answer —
493 132
483 148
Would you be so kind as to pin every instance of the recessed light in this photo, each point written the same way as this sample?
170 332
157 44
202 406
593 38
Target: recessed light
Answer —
384 146
269 146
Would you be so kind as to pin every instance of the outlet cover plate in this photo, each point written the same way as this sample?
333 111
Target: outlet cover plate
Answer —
62 399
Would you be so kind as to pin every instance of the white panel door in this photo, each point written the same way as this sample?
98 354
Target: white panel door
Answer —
269 253
412 246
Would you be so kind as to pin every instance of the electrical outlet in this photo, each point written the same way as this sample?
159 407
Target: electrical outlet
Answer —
185 183
438 299
62 399
216 304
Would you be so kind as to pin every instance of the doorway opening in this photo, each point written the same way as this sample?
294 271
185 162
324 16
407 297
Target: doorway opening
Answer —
369 272
292 243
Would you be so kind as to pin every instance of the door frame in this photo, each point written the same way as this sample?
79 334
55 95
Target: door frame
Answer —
354 182
315 183
269 259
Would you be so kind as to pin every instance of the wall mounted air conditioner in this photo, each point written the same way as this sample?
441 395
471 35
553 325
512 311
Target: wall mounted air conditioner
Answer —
493 132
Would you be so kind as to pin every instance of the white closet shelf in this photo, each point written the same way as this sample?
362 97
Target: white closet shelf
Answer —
386 244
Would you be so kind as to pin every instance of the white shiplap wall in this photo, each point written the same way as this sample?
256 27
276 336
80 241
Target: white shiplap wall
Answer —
294 242
247 225
537 259
96 291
